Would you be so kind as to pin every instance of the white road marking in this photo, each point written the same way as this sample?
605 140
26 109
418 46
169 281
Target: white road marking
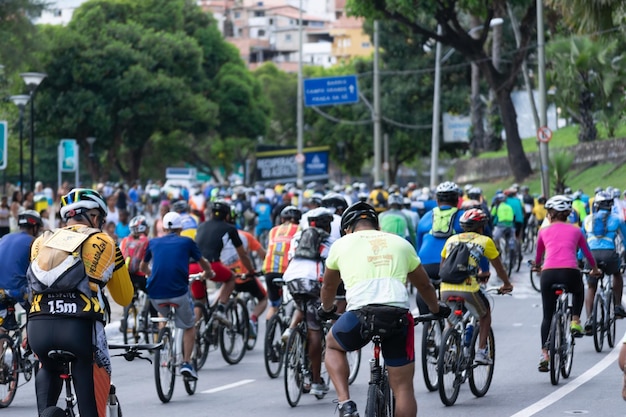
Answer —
566 389
229 386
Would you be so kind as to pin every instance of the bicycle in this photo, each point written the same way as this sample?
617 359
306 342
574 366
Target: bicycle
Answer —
136 320
560 339
169 358
273 347
432 334
603 312
65 359
535 277
15 357
530 235
456 355
507 250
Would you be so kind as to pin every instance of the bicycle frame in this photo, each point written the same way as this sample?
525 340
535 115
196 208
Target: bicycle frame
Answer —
560 339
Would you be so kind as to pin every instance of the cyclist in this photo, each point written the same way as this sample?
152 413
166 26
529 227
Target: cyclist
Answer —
168 280
621 361
303 276
559 242
263 210
473 222
374 266
189 222
503 221
601 229
393 220
378 197
518 212
337 204
276 258
66 301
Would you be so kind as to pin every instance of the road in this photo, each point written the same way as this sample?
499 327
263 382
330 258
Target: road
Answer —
518 389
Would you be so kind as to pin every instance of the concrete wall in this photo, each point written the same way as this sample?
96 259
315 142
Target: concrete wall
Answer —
475 169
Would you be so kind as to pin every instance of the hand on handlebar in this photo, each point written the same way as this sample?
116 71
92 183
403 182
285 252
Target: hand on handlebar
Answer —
444 310
327 315
208 274
505 288
596 272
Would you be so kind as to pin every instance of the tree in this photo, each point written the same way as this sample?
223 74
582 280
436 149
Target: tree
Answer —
450 16
17 32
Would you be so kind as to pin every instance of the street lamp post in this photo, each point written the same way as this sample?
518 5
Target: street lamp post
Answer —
92 156
21 101
32 80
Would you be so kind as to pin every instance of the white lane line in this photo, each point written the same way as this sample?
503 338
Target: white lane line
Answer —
566 389
229 386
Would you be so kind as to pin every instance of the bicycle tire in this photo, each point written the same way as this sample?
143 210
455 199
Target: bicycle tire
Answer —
251 303
510 261
354 363
449 367
294 365
480 376
517 255
202 343
191 383
431 341
130 324
9 371
165 366
535 280
598 322
375 406
567 349
273 346
610 317
53 411
118 408
554 342
233 338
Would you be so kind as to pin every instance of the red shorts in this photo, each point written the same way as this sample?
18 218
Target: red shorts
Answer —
198 288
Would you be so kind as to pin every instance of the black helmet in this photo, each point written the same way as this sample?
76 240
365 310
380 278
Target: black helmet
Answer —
180 206
29 218
334 200
220 209
358 211
291 213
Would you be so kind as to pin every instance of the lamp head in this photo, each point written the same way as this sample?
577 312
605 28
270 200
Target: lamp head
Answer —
20 100
33 79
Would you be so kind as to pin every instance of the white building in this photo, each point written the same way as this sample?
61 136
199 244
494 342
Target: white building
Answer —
58 12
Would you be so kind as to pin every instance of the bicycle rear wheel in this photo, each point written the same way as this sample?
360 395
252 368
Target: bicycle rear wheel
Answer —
610 317
190 383
598 321
449 367
294 365
165 366
9 376
53 411
535 280
202 344
354 362
273 347
567 348
234 337
480 375
250 305
431 340
554 342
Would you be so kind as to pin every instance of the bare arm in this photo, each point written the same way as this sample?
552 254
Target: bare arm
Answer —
245 259
332 279
419 278
502 274
145 268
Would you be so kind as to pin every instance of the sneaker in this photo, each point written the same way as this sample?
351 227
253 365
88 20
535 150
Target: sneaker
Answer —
319 388
253 330
619 311
286 334
544 364
348 409
221 317
588 328
482 357
186 369
576 329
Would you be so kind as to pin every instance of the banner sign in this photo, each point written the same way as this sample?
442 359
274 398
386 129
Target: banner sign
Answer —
281 165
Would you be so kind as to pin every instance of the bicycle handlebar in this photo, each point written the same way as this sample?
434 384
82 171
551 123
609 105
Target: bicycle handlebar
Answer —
133 351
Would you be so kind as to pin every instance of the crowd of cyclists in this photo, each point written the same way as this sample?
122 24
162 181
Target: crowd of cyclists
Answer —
350 249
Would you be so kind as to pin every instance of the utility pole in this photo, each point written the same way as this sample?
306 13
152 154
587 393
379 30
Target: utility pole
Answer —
377 130
543 109
434 145
300 111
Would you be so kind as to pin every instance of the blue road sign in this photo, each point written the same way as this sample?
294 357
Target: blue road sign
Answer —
330 90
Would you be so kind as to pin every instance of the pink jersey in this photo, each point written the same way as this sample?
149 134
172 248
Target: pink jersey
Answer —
560 241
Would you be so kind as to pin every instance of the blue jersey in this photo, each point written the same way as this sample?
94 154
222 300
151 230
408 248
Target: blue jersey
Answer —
429 246
15 258
170 265
613 226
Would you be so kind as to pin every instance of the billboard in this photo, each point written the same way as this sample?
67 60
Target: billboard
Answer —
281 166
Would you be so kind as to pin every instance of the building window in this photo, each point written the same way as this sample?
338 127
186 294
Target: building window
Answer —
288 37
259 13
237 15
365 44
261 33
57 12
271 21
347 42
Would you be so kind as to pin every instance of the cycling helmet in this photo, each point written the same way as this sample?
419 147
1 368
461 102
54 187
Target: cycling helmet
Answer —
470 204
29 218
180 206
597 190
499 197
363 197
220 209
291 213
378 184
334 200
447 191
80 200
603 200
615 193
320 217
510 192
358 211
473 219
138 224
541 200
395 199
567 191
316 199
559 203
474 193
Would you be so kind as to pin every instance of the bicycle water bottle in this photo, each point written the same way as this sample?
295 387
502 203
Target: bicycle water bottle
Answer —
469 330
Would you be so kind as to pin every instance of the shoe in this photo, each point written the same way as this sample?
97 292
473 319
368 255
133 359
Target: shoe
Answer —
588 328
619 311
319 388
186 369
286 334
348 409
221 317
576 329
253 330
482 357
544 364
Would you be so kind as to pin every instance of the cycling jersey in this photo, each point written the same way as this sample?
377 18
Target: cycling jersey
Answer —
518 210
580 208
212 235
276 258
540 212
396 222
503 215
480 245
15 256
559 242
190 225
613 226
230 257
429 246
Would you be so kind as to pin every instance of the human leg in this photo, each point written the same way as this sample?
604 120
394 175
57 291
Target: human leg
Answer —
401 382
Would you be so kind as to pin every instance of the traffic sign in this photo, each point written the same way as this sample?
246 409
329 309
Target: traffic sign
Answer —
544 134
4 138
331 90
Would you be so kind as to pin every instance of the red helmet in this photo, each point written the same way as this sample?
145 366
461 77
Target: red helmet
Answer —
473 219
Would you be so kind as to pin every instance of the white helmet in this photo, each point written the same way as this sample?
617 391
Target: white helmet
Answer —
559 203
80 200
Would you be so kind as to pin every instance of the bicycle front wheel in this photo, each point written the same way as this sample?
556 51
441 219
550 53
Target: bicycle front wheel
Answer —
480 375
165 366
9 375
202 343
250 305
234 337
431 340
294 365
535 280
273 347
598 321
567 346
610 317
449 367
554 345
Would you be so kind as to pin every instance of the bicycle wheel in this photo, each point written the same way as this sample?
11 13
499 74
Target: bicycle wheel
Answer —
202 344
294 365
53 411
610 317
190 383
480 375
375 406
233 338
554 345
431 340
9 376
273 346
535 280
517 255
598 321
510 262
250 305
165 366
567 346
130 324
449 367
354 362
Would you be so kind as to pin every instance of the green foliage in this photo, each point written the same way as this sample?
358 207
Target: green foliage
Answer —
280 88
560 165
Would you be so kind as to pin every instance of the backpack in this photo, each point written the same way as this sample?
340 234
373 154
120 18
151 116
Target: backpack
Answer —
309 244
443 222
599 223
456 266
133 252
380 200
